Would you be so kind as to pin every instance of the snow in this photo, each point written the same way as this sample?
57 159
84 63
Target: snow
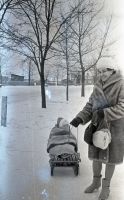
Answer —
24 162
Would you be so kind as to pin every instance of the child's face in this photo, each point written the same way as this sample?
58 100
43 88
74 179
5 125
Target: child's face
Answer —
66 126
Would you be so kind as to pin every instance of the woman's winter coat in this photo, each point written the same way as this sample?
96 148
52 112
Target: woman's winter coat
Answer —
112 103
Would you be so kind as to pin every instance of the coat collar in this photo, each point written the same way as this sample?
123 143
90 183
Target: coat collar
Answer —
114 78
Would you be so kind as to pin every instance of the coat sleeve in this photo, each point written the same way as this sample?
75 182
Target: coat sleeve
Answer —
117 111
86 113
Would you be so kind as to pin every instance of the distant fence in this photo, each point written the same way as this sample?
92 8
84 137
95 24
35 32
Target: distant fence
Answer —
14 83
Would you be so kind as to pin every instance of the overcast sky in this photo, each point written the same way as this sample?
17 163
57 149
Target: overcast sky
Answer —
115 7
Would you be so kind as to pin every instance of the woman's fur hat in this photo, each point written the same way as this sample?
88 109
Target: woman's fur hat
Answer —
107 63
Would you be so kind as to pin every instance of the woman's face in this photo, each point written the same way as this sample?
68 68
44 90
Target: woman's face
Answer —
105 73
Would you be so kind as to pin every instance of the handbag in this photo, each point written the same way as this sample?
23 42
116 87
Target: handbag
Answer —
88 134
102 138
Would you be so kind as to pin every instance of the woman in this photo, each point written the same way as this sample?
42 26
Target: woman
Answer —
111 110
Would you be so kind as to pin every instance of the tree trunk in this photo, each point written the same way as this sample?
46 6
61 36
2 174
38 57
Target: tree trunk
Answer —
67 65
0 76
82 69
67 87
67 84
83 83
42 81
57 78
29 73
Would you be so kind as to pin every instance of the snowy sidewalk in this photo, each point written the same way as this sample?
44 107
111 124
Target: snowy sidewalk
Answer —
24 162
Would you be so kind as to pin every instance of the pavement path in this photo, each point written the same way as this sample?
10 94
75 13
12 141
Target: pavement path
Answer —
24 162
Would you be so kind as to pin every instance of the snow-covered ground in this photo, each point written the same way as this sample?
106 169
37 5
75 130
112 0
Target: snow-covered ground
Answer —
24 162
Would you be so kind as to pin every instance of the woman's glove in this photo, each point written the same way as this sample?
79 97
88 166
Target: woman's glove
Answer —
76 121
100 113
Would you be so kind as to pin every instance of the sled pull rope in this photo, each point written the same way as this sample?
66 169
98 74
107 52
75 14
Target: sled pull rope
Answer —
70 128
77 138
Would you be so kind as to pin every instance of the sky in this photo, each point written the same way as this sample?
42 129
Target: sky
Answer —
114 7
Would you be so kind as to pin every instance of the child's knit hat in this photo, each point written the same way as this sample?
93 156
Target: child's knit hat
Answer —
62 122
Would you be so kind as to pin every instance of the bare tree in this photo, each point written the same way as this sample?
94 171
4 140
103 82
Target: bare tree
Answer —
5 5
28 68
57 70
84 40
65 50
89 38
32 31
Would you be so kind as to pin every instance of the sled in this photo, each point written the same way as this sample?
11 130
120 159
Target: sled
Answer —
66 160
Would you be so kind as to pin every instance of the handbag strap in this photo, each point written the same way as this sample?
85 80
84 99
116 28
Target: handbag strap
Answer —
106 101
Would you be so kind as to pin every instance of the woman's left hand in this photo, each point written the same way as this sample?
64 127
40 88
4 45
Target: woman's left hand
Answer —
100 113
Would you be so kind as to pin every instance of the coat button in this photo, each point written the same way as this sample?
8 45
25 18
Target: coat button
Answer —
104 158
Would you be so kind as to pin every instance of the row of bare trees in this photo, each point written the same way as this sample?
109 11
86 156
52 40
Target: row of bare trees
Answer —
84 40
42 30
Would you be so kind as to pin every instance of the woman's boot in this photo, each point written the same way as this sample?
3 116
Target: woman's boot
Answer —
105 189
109 171
95 184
